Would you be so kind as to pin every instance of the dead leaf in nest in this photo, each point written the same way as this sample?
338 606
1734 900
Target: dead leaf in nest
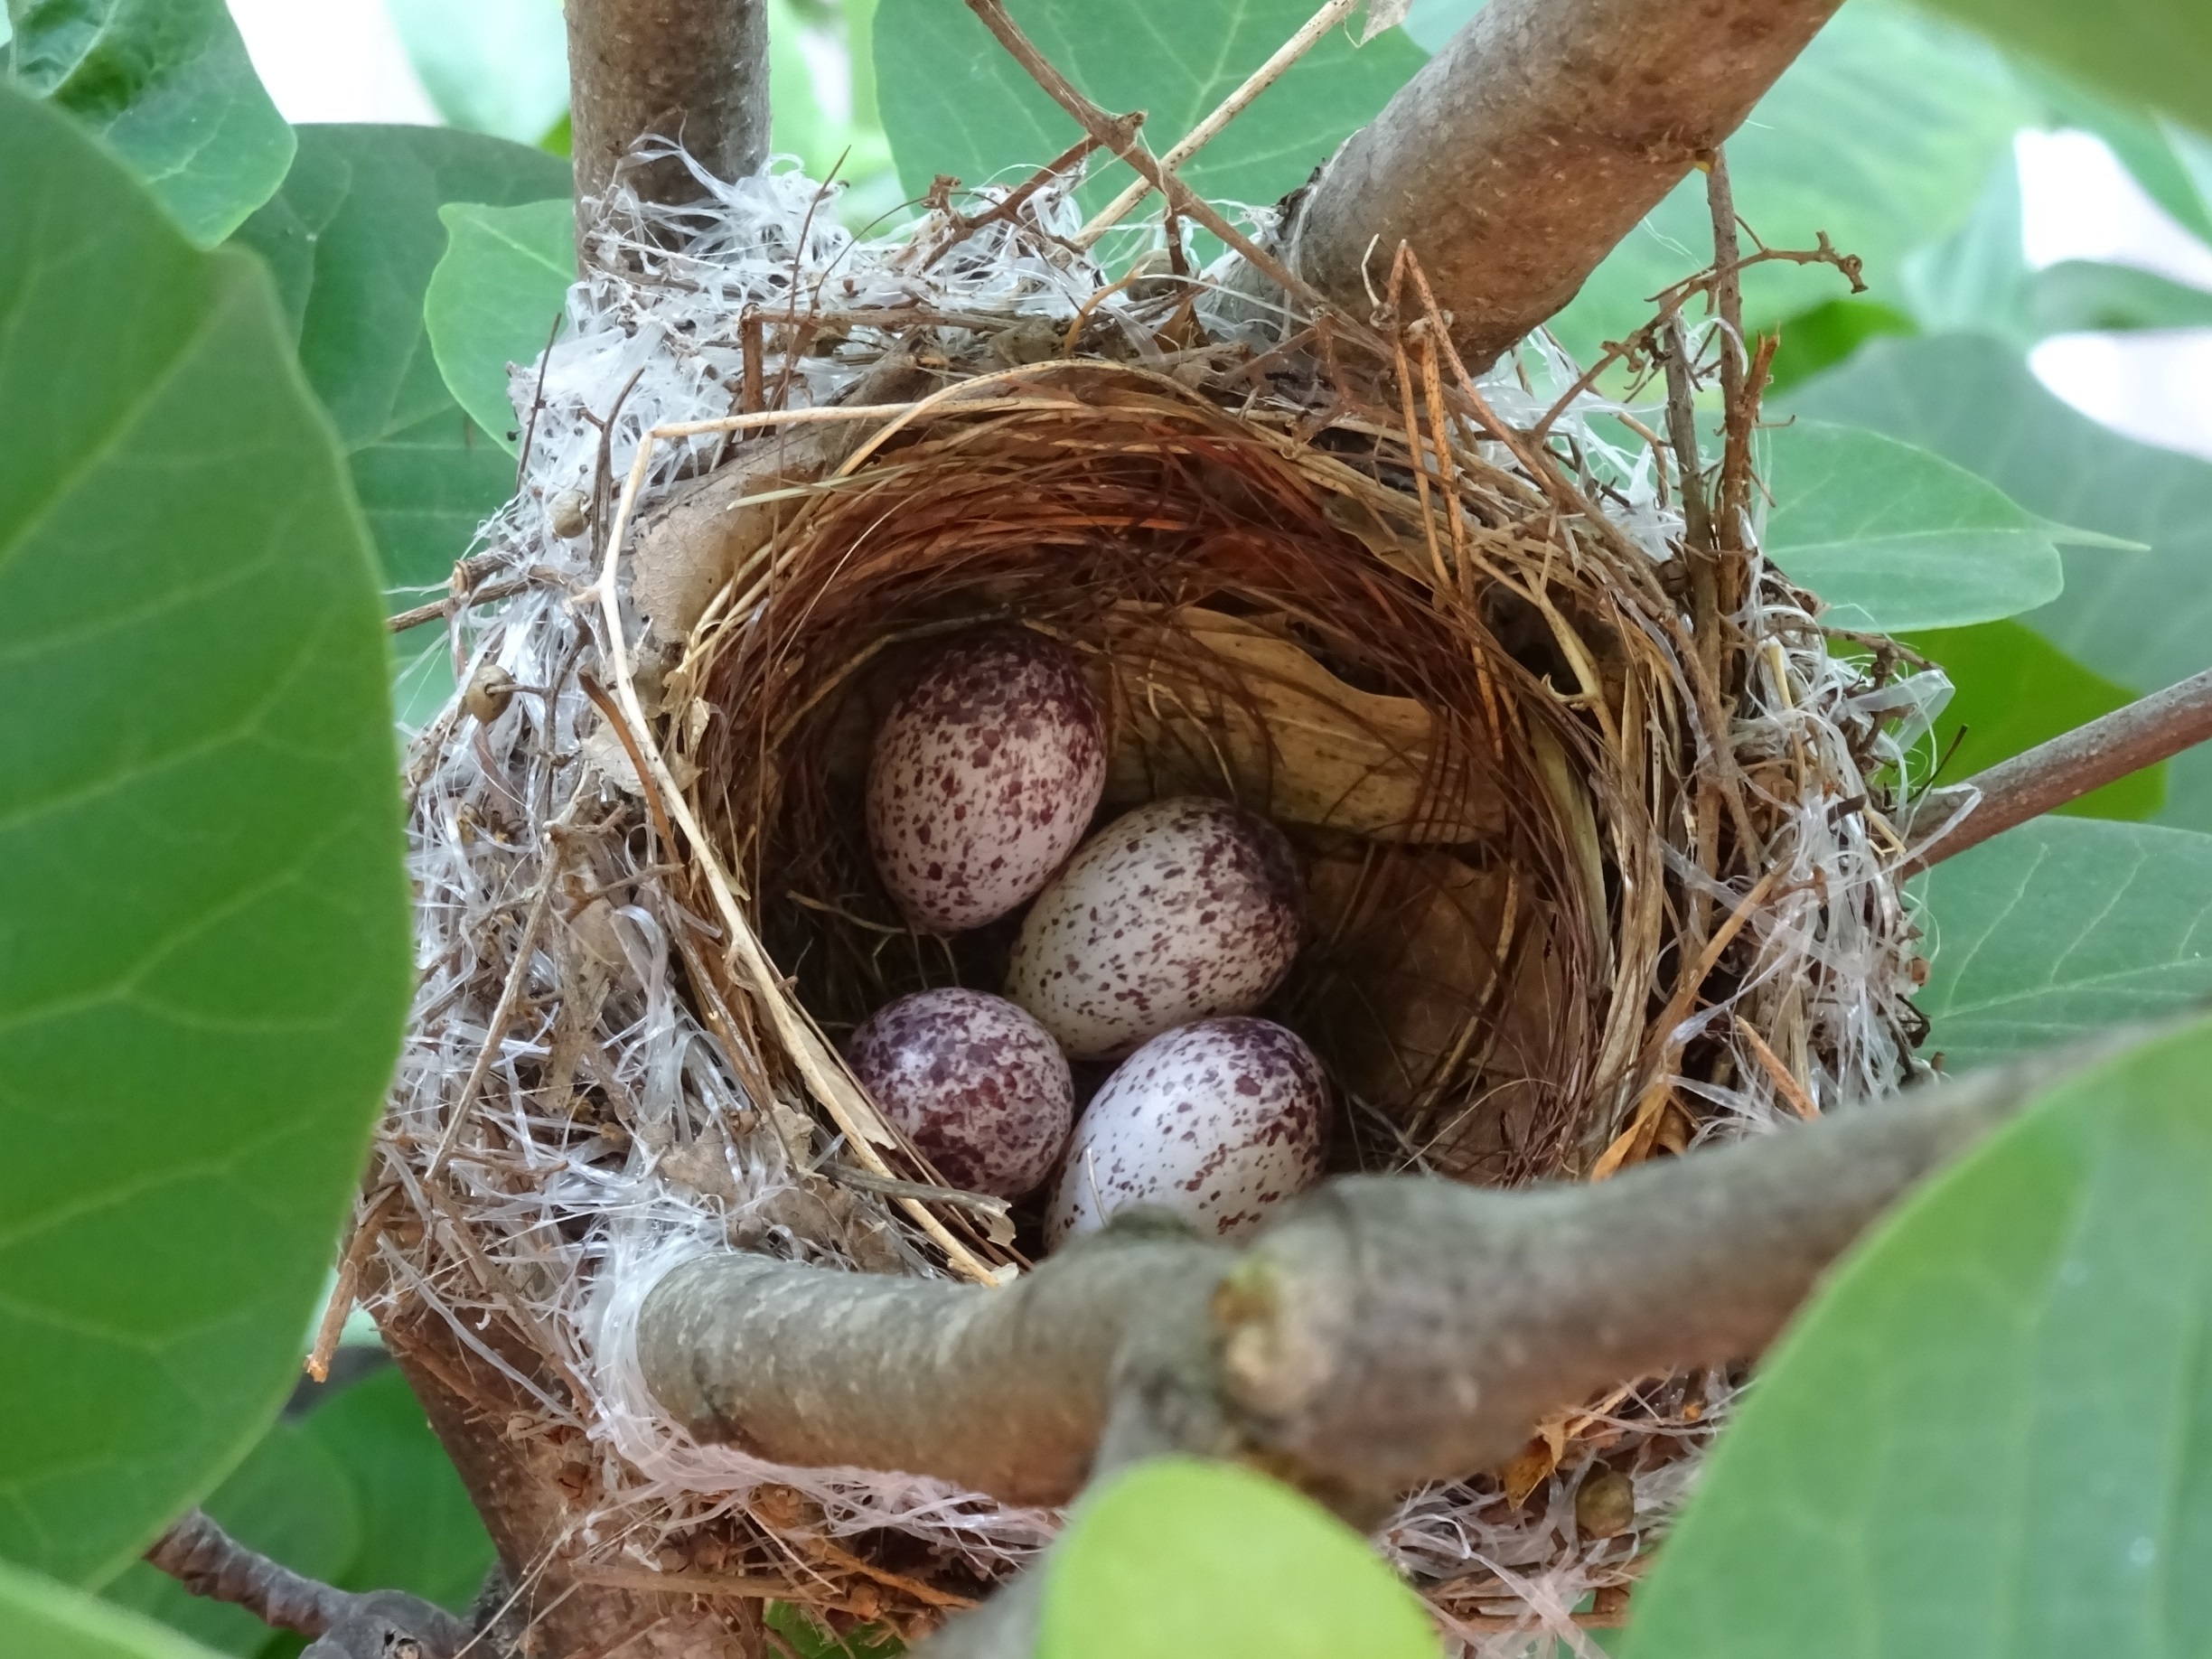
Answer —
1406 954
1398 545
703 534
1206 702
1534 1465
605 754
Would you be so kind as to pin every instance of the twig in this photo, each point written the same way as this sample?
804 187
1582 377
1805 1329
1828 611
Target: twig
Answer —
340 1303
2147 731
1117 137
495 1031
209 1562
1226 111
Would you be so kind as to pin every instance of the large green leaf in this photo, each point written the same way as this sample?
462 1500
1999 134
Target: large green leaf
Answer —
953 101
2142 620
2151 51
39 1619
419 1532
1881 134
1978 281
2172 163
352 238
1178 1557
2062 927
494 299
2014 689
166 83
203 956
491 66
1894 538
290 1500
1991 1435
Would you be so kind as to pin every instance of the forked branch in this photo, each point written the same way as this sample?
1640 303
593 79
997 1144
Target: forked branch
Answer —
1384 1332
208 1561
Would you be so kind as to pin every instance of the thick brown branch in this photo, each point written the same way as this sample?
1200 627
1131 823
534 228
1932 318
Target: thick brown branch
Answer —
526 1490
208 1561
2147 731
695 71
1383 1331
1532 143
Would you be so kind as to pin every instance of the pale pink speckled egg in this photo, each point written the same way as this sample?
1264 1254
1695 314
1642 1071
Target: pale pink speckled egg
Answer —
1178 911
1219 1122
983 778
976 1082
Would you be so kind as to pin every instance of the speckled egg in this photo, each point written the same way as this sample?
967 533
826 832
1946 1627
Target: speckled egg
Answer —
976 1082
1178 911
983 778
1218 1121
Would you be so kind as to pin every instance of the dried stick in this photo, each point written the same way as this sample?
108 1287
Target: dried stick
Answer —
209 1562
2147 731
1119 137
1226 111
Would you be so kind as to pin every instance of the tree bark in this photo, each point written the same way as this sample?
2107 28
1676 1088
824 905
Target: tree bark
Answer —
519 1488
1384 1331
2073 764
693 70
1526 148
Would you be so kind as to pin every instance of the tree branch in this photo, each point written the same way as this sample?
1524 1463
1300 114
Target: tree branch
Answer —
521 1489
2147 731
1527 147
1384 1332
694 70
208 1561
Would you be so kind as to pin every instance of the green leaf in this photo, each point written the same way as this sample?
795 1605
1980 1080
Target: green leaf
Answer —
812 1640
2149 51
1992 1434
289 1500
1894 538
2080 294
204 918
494 299
2142 620
1882 134
953 101
2014 689
2062 927
1823 336
1178 1557
39 1619
491 66
351 240
168 84
419 1532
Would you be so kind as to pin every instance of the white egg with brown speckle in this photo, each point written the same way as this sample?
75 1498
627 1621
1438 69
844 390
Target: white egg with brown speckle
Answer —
983 1090
1218 1121
1178 911
982 779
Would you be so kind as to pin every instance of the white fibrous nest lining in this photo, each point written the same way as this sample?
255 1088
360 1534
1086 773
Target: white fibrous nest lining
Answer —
606 1138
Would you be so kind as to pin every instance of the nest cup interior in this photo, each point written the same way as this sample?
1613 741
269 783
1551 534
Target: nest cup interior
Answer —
1245 641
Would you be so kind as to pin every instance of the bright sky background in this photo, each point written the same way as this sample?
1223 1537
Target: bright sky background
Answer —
342 60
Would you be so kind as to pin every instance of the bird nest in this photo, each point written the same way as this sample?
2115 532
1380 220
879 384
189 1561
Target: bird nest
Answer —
1589 821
